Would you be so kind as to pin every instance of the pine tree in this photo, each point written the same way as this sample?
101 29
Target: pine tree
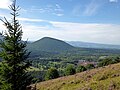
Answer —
13 69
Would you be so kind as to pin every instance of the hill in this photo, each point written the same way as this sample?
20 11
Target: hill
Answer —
92 45
48 46
103 78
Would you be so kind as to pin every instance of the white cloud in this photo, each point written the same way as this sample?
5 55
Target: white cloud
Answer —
100 33
1 15
58 14
92 8
58 6
5 3
89 32
113 1
31 20
48 9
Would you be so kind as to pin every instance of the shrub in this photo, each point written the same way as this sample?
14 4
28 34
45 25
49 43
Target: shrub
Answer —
70 70
90 66
80 68
106 62
52 73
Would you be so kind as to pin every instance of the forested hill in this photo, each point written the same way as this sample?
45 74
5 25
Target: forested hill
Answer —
49 45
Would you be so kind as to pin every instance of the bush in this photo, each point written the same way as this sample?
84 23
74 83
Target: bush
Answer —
117 60
106 62
90 66
80 68
52 73
70 70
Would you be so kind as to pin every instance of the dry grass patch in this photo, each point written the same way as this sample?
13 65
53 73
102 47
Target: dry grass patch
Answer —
103 78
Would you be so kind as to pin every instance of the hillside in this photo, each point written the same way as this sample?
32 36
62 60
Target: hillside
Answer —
92 45
103 78
49 45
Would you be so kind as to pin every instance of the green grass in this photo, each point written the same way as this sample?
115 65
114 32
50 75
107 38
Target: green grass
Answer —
103 78
33 69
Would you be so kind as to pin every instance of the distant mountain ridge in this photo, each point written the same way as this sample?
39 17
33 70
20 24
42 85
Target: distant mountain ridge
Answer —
92 45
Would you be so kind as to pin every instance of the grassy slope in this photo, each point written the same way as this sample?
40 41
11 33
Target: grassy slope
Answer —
104 78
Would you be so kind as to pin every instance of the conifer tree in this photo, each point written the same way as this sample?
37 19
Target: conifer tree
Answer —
13 69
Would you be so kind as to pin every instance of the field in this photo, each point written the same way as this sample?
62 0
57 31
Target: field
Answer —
103 78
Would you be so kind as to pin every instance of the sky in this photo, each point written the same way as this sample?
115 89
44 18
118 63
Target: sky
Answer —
95 21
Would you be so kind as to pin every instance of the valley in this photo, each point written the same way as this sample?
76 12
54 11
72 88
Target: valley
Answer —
49 52
60 45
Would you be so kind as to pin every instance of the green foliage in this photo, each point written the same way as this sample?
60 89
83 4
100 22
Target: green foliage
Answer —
90 66
107 78
117 60
109 60
13 70
50 47
52 73
80 68
70 70
105 62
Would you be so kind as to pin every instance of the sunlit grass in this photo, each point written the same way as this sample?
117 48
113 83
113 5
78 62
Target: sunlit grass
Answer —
33 69
104 78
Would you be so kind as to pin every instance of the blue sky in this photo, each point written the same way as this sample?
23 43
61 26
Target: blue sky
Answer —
70 20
